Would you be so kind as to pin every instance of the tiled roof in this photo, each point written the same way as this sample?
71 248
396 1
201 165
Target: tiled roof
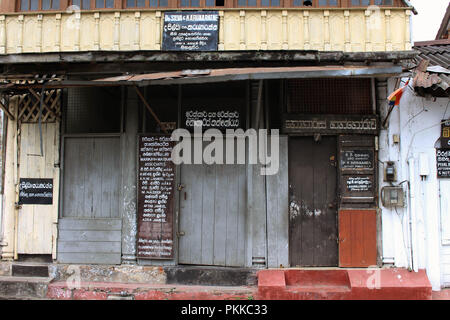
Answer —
434 77
438 55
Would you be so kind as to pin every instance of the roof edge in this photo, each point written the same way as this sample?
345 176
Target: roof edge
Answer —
408 4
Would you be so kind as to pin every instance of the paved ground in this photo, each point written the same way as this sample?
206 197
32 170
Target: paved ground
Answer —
444 294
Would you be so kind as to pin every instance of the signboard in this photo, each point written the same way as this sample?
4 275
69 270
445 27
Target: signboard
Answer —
190 31
445 134
443 163
330 124
156 184
357 159
218 119
36 191
359 183
357 171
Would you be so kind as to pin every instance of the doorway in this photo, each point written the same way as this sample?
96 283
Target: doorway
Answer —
313 230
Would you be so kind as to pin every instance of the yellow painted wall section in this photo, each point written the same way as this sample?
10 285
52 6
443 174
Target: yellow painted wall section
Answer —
347 30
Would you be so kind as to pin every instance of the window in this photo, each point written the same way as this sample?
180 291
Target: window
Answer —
247 3
104 3
189 3
146 3
135 3
299 3
82 4
215 3
331 3
270 3
33 5
360 2
384 2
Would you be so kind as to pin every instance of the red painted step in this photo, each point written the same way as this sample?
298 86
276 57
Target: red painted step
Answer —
343 284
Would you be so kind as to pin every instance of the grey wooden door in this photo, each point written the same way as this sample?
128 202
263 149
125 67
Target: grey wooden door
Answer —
313 201
90 224
212 215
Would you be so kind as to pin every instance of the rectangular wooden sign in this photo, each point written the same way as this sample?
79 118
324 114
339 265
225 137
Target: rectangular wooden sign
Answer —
156 187
36 191
329 124
190 31
443 163
357 159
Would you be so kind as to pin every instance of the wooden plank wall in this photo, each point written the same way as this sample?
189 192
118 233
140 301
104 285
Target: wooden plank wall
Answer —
37 223
445 231
95 241
91 177
358 238
278 211
212 215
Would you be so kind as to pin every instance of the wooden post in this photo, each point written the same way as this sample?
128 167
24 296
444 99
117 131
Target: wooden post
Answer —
128 204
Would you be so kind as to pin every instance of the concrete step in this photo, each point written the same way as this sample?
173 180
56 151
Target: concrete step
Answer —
142 291
343 284
210 276
27 269
23 287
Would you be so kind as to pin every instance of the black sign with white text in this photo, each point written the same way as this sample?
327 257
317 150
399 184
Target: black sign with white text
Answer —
36 191
443 163
191 31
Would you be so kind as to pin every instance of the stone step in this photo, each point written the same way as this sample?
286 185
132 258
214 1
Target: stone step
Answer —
29 269
23 287
211 276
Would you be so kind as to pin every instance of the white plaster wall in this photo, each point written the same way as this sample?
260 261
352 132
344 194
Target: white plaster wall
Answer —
417 121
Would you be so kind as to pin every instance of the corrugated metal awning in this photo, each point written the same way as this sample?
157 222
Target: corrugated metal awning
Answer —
236 74
222 75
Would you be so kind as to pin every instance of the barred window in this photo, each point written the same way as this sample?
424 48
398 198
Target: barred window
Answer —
34 5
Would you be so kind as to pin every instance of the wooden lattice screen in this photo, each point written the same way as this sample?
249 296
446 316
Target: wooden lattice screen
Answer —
30 103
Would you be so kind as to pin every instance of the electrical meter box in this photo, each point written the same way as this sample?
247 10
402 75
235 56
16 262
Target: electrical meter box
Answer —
393 197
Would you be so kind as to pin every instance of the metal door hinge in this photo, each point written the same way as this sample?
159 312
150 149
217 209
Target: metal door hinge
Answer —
180 233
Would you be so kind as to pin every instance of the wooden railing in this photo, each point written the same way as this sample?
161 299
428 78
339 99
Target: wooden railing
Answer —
250 29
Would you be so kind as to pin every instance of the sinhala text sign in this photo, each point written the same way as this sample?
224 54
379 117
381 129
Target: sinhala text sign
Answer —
190 31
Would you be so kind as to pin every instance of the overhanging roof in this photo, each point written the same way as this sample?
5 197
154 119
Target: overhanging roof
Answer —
221 75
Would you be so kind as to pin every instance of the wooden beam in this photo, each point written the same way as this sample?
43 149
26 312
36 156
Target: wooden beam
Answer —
6 111
150 109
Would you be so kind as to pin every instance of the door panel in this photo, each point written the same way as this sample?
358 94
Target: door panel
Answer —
90 213
358 238
37 223
313 202
212 214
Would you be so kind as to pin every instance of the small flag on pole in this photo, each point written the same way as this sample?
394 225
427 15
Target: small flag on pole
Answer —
394 98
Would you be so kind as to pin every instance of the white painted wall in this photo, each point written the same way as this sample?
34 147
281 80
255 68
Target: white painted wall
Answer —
417 122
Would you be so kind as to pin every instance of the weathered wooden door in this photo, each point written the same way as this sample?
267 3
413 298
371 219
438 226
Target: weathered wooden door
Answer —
313 201
212 214
90 225
37 223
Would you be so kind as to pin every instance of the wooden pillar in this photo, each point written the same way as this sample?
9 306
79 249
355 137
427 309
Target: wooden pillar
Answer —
128 204
10 182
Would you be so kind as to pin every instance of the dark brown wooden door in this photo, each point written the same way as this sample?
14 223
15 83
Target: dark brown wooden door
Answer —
313 201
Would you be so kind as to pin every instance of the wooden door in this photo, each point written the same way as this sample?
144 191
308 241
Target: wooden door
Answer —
90 225
357 238
212 214
37 223
313 201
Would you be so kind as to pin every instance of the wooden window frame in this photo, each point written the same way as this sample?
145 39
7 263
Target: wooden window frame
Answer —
19 6
175 4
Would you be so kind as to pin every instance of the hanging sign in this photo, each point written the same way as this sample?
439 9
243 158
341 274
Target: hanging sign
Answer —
191 31
156 184
36 191
443 163
445 134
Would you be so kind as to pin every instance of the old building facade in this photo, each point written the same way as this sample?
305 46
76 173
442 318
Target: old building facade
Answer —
92 89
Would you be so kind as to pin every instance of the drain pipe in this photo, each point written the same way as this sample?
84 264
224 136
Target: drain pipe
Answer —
412 215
